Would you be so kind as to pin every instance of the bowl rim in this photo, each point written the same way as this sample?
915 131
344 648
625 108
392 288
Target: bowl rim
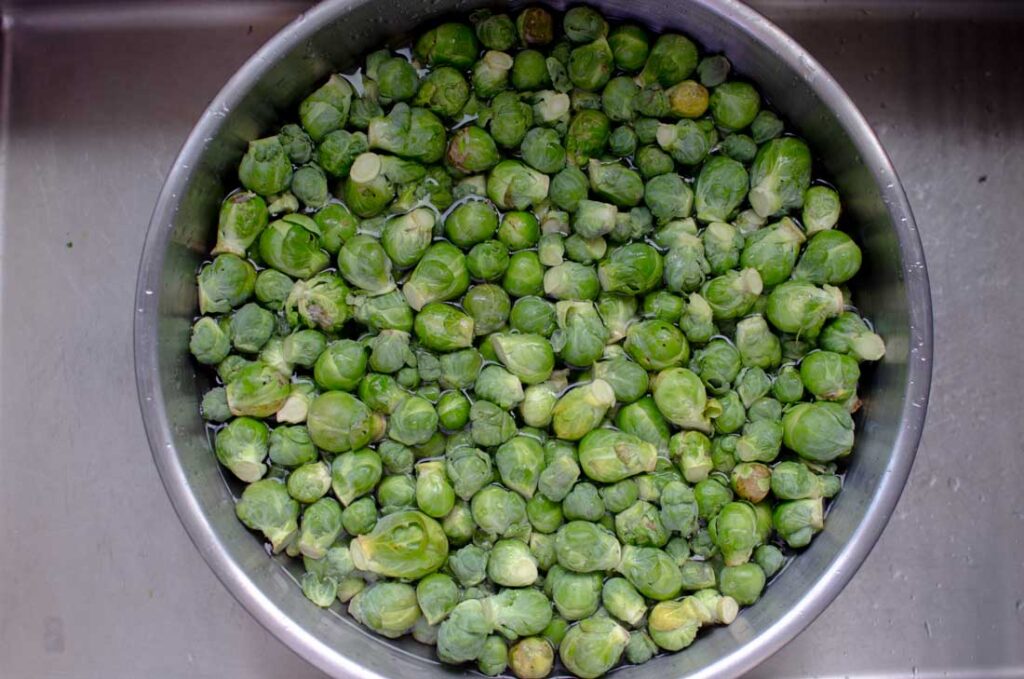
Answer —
793 621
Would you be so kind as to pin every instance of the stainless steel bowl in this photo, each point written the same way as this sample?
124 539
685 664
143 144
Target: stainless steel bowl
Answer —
892 289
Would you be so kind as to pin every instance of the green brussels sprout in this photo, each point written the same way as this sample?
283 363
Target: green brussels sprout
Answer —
668 197
303 347
341 365
679 508
511 564
266 506
524 276
327 109
265 168
685 267
593 646
491 74
520 612
692 452
309 482
590 65
499 386
558 478
435 497
493 657
338 422
821 209
773 251
459 369
732 414
687 141
511 117
794 481
442 327
243 215
320 527
381 393
496 32
569 188
389 351
797 521
585 547
405 238
672 59
402 545
527 356
551 108
242 447
519 230
292 245
538 404
463 635
321 302
210 340
744 583
617 99
764 408
622 600
512 185
631 269
818 432
682 399
627 379
830 376
607 455
535 26
499 511
397 80
739 147
643 420
723 453
545 516
355 473
722 246
587 136
713 70
641 525
296 143
291 447
770 558
760 441
766 125
572 281
673 625
489 306
395 458
471 150
214 407
225 284
338 151
849 334
309 186
622 142
488 261
711 496
732 294
436 595
630 46
830 257
257 391
687 99
542 150
530 70
801 308
443 91
735 532
697 575
575 595
229 368
734 105
752 385
408 132
364 263
413 422
272 288
388 608
453 410
780 176
758 347
581 409
469 470
593 219
584 24
656 345
469 565
584 503
533 316
531 658
718 365
450 44
653 572
721 188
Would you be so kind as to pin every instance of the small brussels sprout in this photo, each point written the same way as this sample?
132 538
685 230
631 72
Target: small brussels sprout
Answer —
266 506
397 79
656 345
525 275
497 385
796 522
459 369
388 608
243 215
210 340
821 209
520 612
471 150
718 365
327 109
682 399
491 74
641 525
622 600
533 315
402 545
296 143
581 337
582 409
735 532
496 32
679 508
303 347
722 246
450 44
801 308
265 168
642 419
687 99
558 478
672 59
713 70
622 142
734 105
444 91
242 447
442 327
744 583
436 595
760 441
412 133
435 497
530 70
773 251
453 410
653 572
593 646
341 365
527 356
617 99
590 65
570 280
770 558
493 657
685 267
463 635
569 188
531 658
732 294
542 150
321 302
780 176
413 422
687 141
310 482
225 284
272 288
489 306
830 376
309 186
830 257
752 385
512 185
214 407
320 527
584 503
723 453
691 451
849 334
631 269
585 547
593 219
758 346
535 26
575 595
257 390
520 462
818 432
627 378
630 46
668 197
488 261
587 136
607 455
291 447
721 188
511 564
499 511
338 422
545 517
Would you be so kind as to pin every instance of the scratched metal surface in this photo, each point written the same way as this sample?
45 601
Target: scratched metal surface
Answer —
99 579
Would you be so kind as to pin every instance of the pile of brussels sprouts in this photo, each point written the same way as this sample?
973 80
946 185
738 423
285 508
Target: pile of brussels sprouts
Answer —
529 342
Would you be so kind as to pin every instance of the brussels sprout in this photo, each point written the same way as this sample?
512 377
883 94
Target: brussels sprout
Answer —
687 99
830 376
752 385
691 451
491 74
389 351
668 197
436 595
210 340
257 391
243 215
341 365
722 245
819 432
653 572
593 646
718 365
735 532
527 356
581 337
770 558
723 453
681 398
511 564
296 143
319 528
291 447
434 495
773 251
780 176
413 422
463 635
443 327
590 65
801 308
266 506
656 345
672 58
450 44
575 595
338 422
272 288
608 456
830 257
320 302
531 658
617 99
513 185
642 419
496 32
697 575
734 105
405 237
443 91
493 657
721 188
225 284
758 346
397 79
585 547
587 135
530 70
679 508
488 260
641 525
408 132
630 46
402 545
265 168
499 511
338 151
593 219
760 441
327 109
581 409
622 600
687 141
453 410
499 386
627 379
584 503
631 269
309 186
713 70
821 209
214 407
558 477
534 316
849 334
545 517
520 612
388 608
459 369
309 482
567 188
796 522
242 447
732 294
